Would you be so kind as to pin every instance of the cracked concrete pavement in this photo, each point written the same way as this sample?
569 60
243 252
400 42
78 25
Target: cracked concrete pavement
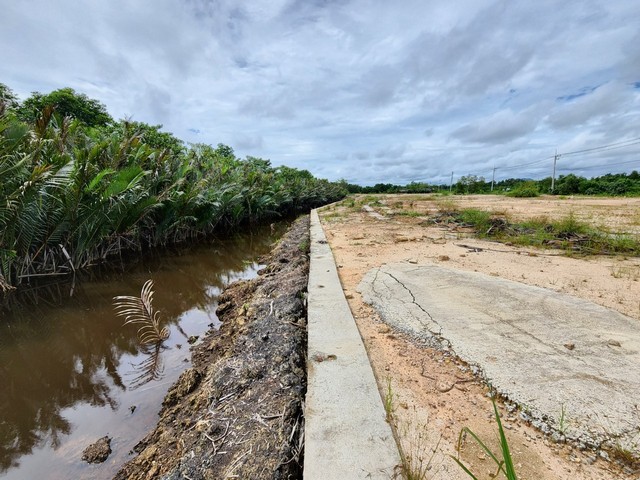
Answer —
571 365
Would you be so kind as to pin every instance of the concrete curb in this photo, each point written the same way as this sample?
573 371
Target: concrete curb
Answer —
346 434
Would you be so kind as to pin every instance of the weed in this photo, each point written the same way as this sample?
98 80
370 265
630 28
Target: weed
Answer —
632 273
389 406
567 233
416 455
334 216
446 204
525 190
408 213
479 219
303 246
569 225
623 454
562 423
349 202
505 464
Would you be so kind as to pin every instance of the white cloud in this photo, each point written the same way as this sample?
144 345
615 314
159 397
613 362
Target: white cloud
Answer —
372 91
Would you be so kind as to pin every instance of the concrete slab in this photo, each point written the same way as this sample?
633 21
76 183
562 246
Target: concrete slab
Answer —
549 352
346 435
373 213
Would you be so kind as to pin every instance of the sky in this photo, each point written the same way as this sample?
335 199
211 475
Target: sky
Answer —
373 91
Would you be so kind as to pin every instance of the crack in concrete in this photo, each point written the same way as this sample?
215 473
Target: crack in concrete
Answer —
414 302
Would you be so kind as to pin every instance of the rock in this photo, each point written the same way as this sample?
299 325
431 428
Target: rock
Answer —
97 452
614 343
569 346
192 339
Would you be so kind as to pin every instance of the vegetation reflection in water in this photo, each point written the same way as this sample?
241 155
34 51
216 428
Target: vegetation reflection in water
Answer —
71 373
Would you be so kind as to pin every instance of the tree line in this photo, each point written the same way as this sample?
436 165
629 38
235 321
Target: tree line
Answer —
77 186
610 184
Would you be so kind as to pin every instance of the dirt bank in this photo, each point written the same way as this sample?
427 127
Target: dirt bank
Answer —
238 412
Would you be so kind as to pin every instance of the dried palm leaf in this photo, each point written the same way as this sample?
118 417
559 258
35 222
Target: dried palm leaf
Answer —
139 311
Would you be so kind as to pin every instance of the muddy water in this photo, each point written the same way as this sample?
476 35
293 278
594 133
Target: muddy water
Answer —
70 373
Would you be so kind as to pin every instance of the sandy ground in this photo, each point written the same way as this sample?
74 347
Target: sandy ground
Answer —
435 394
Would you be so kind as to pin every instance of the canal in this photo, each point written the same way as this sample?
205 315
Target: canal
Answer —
70 372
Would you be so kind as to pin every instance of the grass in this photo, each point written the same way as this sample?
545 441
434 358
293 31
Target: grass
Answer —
562 423
630 272
502 459
446 203
624 455
479 219
389 406
303 246
407 213
416 454
525 190
567 233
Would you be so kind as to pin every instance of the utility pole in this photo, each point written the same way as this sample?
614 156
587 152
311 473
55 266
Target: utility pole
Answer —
553 177
493 178
451 182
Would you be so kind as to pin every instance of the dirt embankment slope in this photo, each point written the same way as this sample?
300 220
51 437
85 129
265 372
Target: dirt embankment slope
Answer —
238 412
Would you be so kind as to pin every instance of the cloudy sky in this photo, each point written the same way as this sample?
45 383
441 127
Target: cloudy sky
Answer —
369 91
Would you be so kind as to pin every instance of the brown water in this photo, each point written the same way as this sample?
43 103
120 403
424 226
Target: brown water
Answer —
70 373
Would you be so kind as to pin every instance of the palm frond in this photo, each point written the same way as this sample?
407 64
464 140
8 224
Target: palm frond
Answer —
139 311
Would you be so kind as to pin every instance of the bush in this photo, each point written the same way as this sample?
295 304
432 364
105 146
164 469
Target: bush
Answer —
525 190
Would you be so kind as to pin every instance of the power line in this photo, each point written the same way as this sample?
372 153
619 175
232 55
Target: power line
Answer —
611 146
511 167
601 165
598 149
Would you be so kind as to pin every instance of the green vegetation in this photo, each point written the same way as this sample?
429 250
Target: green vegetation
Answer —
479 219
77 187
611 184
389 398
304 246
567 233
416 453
408 213
503 461
67 103
525 190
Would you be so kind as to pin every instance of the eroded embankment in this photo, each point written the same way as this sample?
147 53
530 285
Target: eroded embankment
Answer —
238 412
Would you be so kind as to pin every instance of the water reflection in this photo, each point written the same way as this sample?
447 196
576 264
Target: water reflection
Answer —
63 351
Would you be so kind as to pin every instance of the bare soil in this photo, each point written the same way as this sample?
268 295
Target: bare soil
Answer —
238 412
435 394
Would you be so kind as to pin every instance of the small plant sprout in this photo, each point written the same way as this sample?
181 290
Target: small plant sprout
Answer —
505 464
562 423
389 406
139 311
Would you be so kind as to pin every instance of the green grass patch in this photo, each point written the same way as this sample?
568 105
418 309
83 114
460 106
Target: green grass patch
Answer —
478 219
525 190
567 234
